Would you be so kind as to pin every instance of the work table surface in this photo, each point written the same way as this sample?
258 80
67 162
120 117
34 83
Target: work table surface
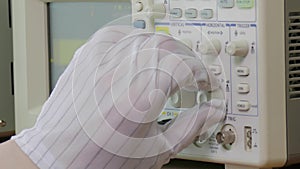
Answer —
185 164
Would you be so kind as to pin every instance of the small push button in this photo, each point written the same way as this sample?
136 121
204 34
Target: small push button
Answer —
242 71
206 13
243 105
191 13
139 24
176 13
226 3
243 88
245 4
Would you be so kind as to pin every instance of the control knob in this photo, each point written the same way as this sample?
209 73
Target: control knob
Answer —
237 48
139 6
211 47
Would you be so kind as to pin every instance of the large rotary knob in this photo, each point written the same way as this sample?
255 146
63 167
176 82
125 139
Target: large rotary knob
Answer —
210 47
237 48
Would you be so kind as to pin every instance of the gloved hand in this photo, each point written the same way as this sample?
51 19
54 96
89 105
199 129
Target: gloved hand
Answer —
103 111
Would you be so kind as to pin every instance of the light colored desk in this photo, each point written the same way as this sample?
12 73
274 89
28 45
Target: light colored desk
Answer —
185 164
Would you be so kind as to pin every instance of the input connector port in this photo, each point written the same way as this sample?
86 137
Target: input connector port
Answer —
227 136
248 138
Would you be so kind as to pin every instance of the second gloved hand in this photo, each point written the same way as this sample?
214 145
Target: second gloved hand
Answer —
131 84
115 87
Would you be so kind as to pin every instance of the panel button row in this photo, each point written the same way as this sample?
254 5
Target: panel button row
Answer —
176 12
192 13
242 4
206 13
240 71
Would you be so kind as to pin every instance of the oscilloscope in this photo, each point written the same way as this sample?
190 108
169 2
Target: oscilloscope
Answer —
253 48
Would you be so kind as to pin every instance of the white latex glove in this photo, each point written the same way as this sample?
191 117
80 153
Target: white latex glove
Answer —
103 111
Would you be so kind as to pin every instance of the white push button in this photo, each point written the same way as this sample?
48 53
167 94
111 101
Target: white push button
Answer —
243 88
206 13
243 105
216 69
191 13
242 71
176 13
226 3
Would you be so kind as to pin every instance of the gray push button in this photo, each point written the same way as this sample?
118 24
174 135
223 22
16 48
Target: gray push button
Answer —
191 13
242 71
139 24
243 105
243 88
176 13
226 3
206 13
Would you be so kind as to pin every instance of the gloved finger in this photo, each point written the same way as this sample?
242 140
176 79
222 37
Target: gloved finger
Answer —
187 72
173 56
171 62
184 129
